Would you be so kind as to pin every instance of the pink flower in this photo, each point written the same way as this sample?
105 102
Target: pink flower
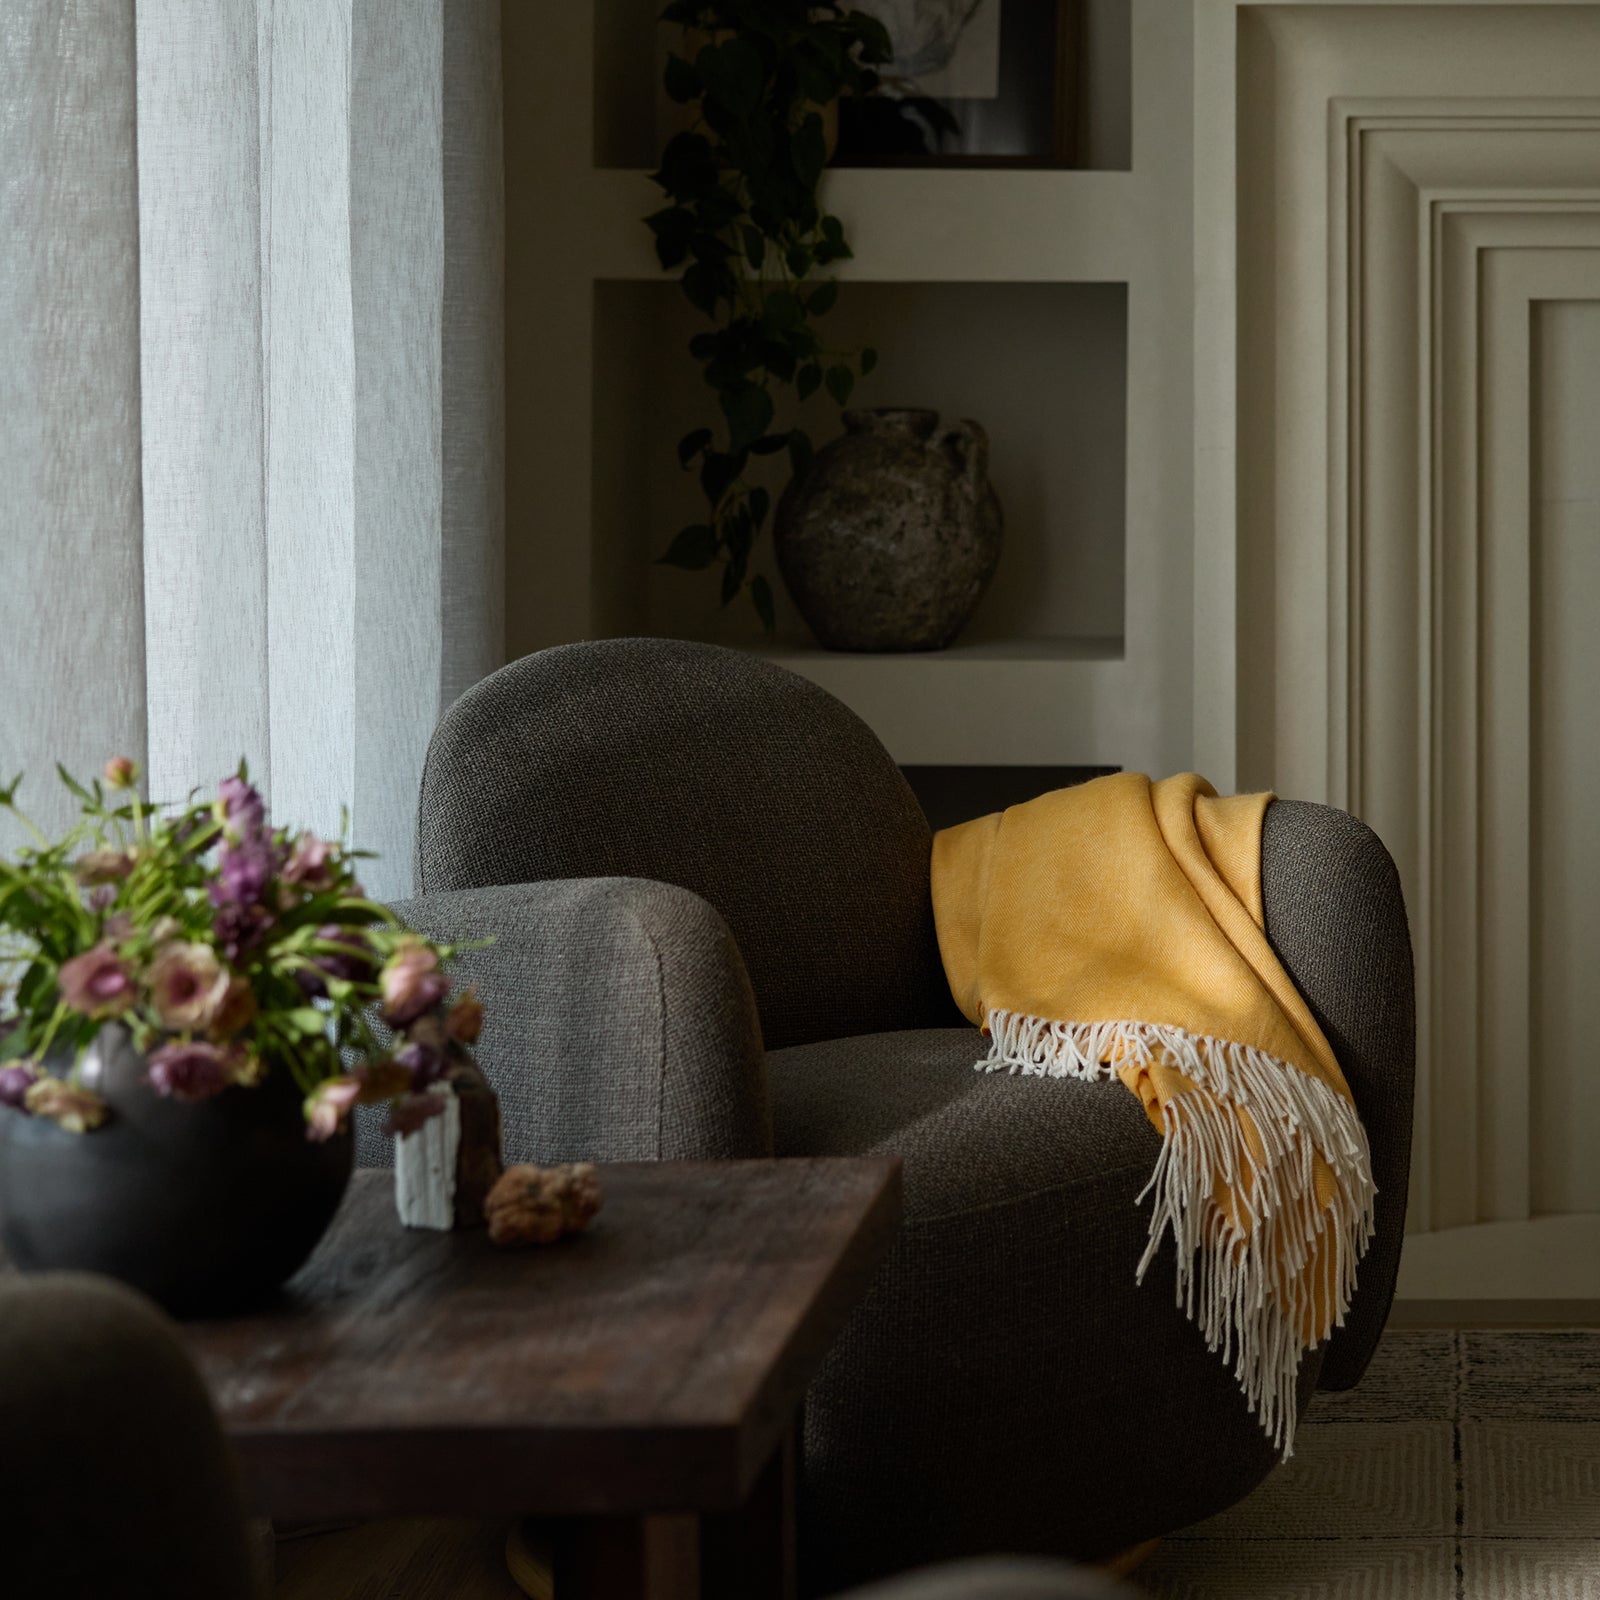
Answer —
15 1082
103 866
71 1108
192 1071
188 985
465 1019
120 773
310 864
412 983
411 1111
328 1105
97 983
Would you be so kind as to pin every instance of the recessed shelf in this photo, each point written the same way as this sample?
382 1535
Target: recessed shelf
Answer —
920 225
1043 367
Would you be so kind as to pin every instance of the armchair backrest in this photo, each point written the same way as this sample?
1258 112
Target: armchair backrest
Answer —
717 771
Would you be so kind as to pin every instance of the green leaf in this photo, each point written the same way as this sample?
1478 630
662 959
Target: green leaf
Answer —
782 310
808 380
808 150
759 501
769 444
801 454
732 73
693 444
717 472
682 82
307 1021
732 578
821 299
840 381
72 783
798 260
869 359
702 287
761 598
694 549
749 412
755 246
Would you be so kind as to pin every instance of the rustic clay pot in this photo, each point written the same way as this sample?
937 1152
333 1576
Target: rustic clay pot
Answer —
890 539
206 1207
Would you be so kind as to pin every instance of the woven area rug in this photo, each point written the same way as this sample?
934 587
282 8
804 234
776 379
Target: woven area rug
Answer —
1465 1467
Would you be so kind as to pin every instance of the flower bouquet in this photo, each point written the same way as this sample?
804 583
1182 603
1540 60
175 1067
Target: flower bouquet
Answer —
156 958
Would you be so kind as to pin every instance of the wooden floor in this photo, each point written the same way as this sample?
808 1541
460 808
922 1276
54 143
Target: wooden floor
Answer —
412 1560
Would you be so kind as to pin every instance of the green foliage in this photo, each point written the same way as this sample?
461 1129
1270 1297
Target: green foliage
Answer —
201 928
744 225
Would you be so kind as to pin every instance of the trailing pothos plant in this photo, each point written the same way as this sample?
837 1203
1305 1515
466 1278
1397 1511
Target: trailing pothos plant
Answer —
744 223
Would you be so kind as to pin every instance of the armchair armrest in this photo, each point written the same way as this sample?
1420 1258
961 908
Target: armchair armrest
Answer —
619 1023
1335 916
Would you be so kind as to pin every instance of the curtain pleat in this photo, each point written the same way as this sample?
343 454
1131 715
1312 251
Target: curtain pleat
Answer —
71 592
252 443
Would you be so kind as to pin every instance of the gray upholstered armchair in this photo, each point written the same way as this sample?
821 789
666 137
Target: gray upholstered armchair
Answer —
708 884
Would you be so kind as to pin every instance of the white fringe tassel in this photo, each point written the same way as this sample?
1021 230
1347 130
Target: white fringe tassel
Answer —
1251 1293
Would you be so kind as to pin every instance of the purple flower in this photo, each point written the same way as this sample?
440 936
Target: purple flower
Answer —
15 1081
412 983
243 872
425 1062
240 808
352 961
193 1071
97 983
239 929
311 864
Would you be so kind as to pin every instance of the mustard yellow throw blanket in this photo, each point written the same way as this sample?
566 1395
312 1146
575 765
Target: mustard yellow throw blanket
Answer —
1116 928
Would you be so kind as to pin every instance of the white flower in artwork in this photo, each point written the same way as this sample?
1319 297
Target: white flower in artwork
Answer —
947 48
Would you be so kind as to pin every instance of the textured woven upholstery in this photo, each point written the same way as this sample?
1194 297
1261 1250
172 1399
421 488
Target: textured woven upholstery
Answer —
1006 1578
1336 918
1019 1381
1005 1385
709 768
115 1479
619 1024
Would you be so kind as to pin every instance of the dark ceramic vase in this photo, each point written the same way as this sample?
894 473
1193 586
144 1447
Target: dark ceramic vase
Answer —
889 540
206 1207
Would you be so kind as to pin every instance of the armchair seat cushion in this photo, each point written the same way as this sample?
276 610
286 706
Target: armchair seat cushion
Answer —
1020 1243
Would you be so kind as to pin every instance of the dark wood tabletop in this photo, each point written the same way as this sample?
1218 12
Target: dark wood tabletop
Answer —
651 1364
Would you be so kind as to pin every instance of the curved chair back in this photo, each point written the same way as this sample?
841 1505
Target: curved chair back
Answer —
717 771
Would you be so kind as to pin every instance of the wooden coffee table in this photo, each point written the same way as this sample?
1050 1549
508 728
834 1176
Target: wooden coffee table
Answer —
638 1384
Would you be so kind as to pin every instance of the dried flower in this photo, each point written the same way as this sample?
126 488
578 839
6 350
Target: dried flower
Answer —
411 1112
103 866
311 864
97 983
329 1104
15 1081
120 773
537 1205
465 1018
73 1109
412 983
237 1010
188 986
380 1081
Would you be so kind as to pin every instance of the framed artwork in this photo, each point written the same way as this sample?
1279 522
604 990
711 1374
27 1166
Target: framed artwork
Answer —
972 83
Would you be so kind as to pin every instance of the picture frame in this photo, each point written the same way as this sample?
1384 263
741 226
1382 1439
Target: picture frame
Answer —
1030 51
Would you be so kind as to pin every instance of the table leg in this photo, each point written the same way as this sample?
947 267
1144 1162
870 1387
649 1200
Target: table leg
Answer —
627 1558
749 1554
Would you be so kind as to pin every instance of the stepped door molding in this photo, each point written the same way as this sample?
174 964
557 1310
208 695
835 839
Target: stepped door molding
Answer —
1415 189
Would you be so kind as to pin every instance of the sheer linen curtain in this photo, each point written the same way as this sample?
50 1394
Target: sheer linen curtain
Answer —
251 406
